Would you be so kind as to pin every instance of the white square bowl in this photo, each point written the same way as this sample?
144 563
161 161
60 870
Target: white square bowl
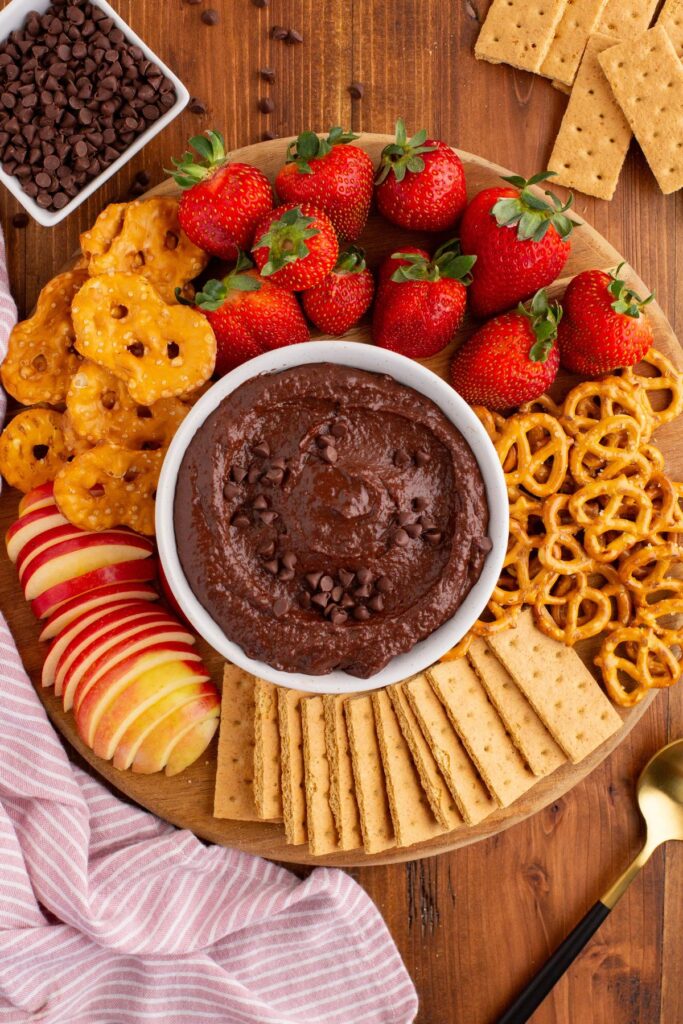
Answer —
13 17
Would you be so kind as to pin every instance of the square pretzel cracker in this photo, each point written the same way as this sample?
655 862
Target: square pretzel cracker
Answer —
564 56
519 32
234 797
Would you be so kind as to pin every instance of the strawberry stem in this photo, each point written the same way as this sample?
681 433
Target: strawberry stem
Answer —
544 318
286 240
403 155
310 146
627 302
530 213
214 292
447 261
351 261
188 170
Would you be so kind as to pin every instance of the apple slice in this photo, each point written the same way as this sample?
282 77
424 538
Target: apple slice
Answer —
129 743
72 558
31 525
191 745
104 599
138 570
144 695
44 541
175 743
40 496
114 682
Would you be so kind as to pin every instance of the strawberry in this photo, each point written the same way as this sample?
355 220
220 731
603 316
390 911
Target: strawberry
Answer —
295 245
249 315
222 203
332 175
341 298
512 358
421 183
605 325
421 300
521 242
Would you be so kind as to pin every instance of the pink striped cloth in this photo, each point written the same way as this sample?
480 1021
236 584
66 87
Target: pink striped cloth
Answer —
110 916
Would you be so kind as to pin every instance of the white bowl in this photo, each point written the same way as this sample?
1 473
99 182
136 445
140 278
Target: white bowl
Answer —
377 360
13 17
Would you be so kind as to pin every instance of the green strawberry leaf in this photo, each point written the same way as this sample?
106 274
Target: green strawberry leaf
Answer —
286 239
351 261
627 302
447 262
310 146
404 154
544 318
211 150
532 213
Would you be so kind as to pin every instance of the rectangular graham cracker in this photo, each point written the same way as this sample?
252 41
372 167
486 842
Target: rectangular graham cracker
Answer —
469 792
371 791
576 24
342 787
439 795
626 18
558 685
671 18
267 792
481 730
519 32
410 811
594 136
292 765
528 733
646 77
322 832
234 795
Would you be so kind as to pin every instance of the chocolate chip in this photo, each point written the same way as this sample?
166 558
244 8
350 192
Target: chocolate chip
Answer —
433 537
286 575
20 220
401 538
260 3
329 455
483 544
347 601
362 592
356 90
305 600
384 585
211 17
266 105
313 579
338 617
230 490
320 600
401 459
293 37
269 135
338 429
280 606
405 517
364 576
260 502
413 530
240 520
268 517
278 463
238 473
196 106
289 559
422 457
262 449
254 474
361 613
267 74
346 578
337 593
275 476
193 3
419 504
267 550
376 603
427 522
278 32
326 441
326 583
272 566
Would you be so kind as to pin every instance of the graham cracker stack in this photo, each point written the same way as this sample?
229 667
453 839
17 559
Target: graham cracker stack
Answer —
519 32
671 19
267 792
626 18
580 18
371 791
410 811
292 758
234 795
342 788
322 833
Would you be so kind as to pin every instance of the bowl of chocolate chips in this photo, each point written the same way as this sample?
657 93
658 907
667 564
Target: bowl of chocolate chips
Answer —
332 517
80 94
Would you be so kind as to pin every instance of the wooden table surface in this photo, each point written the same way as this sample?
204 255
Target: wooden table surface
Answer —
472 926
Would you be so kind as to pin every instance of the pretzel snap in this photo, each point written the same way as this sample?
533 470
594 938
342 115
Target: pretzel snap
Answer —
615 515
33 448
160 351
636 656
570 609
594 400
533 450
662 384
605 450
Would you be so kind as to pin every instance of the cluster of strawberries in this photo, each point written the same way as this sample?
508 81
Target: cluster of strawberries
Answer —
513 243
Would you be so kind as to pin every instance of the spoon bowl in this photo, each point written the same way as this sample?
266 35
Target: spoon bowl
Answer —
660 794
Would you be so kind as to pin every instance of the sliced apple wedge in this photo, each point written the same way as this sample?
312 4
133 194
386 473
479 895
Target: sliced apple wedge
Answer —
42 543
144 695
79 556
140 570
104 599
39 497
190 740
31 525
112 683
129 743
192 744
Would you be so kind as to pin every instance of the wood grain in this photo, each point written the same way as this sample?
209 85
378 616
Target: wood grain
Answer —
472 925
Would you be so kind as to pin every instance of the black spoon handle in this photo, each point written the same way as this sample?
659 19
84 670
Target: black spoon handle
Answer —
538 988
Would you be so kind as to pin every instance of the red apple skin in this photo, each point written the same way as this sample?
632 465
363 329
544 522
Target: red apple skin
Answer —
191 745
29 526
128 745
170 598
104 599
42 543
89 622
140 570
61 561
111 684
39 494
154 752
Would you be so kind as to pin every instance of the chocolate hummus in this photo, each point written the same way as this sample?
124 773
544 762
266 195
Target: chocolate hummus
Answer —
328 518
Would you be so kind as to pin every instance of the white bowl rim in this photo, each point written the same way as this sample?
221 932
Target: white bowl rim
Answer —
375 360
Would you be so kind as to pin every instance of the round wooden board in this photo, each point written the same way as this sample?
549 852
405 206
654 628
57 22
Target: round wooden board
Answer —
187 799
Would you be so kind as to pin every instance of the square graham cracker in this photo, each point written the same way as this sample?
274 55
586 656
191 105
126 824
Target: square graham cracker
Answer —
580 18
481 730
267 792
626 18
322 832
234 795
559 687
671 18
469 792
410 811
646 77
594 136
342 788
527 731
519 32
371 790
292 765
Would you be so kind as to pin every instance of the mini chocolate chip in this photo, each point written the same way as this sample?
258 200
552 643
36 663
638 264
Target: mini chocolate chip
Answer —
419 504
267 74
254 474
230 490
427 522
193 3
240 520
262 449
338 429
289 559
293 37
347 601
143 178
384 585
279 463
356 90
329 455
268 517
326 583
260 502
401 458
20 220
267 550
362 592
313 579
338 617
275 476
272 566
286 575
433 537
337 593
269 135
361 613
278 32
346 578
43 180
326 441
364 576
482 544
400 538
260 3
211 17
413 530
376 603
280 607
305 599
266 105
422 457
405 517
238 473
320 600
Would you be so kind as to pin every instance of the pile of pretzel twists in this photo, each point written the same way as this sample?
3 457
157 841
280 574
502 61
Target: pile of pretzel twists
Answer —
596 525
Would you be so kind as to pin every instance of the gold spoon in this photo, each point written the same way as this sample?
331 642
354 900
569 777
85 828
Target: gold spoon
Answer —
660 798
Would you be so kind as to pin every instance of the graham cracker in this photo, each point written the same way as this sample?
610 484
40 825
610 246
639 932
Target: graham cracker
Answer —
292 764
439 795
342 788
594 136
481 730
626 18
267 793
471 797
519 32
234 794
322 833
671 18
646 77
527 731
558 685
410 811
371 792
580 18
561 87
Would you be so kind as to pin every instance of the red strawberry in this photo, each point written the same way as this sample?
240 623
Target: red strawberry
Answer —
421 304
333 176
421 183
521 243
341 298
295 245
512 358
249 315
605 324
223 202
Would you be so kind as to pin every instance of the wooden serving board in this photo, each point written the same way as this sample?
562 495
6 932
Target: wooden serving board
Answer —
186 800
